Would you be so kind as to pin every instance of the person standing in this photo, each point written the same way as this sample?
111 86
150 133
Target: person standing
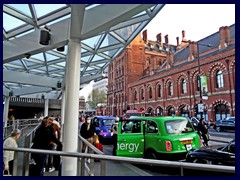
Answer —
87 132
203 131
42 139
8 156
114 130
54 129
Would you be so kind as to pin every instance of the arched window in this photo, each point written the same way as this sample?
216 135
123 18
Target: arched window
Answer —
170 89
159 90
135 95
142 94
184 86
219 79
150 92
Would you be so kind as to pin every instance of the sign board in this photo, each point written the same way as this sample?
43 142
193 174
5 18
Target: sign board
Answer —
204 88
200 107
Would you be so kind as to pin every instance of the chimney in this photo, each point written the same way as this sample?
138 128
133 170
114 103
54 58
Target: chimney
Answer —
170 59
159 37
183 35
177 41
192 50
166 39
145 36
222 34
227 34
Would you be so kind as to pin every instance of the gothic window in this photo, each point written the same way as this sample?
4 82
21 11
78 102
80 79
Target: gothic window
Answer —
159 90
219 79
142 94
184 86
135 95
150 92
170 89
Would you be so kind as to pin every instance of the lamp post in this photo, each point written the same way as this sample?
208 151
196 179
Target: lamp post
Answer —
200 105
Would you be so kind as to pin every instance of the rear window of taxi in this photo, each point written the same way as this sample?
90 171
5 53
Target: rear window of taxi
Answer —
178 126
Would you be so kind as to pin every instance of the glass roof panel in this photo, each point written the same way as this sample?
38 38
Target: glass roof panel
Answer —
50 68
42 68
83 50
18 62
50 57
60 19
43 9
85 59
92 42
23 8
140 14
126 32
22 34
38 56
109 40
62 63
111 53
14 22
29 63
96 58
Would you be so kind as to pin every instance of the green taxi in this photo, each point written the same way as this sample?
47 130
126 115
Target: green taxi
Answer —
167 137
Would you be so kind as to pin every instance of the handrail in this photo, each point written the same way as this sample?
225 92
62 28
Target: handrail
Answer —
182 165
19 124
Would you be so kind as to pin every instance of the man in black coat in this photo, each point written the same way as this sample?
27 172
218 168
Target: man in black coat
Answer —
203 130
41 141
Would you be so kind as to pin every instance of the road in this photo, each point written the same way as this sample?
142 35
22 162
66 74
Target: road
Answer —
217 138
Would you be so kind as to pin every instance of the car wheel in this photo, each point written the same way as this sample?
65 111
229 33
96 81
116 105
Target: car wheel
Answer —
218 129
151 155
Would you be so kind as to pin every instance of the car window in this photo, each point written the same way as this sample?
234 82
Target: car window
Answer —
96 122
178 126
108 122
152 127
127 126
231 118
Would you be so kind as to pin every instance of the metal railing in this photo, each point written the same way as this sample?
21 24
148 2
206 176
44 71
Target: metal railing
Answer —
21 124
181 165
83 167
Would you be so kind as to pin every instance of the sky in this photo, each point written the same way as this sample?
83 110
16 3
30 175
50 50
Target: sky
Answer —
197 20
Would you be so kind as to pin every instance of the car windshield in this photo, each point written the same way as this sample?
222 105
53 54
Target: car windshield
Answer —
133 114
178 126
108 122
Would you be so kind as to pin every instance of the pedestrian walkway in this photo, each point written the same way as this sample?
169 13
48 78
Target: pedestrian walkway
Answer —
112 168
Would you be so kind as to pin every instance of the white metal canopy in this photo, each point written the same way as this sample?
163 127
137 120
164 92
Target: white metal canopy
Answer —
106 29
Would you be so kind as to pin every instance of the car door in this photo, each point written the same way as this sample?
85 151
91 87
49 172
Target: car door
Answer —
230 125
130 141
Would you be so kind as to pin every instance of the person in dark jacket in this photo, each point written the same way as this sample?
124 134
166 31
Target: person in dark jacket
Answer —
114 130
42 139
87 132
203 130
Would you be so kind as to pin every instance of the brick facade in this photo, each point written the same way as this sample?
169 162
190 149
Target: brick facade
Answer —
140 78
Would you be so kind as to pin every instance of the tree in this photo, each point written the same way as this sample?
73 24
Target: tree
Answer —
96 97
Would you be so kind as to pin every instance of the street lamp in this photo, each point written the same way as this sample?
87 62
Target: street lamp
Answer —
200 105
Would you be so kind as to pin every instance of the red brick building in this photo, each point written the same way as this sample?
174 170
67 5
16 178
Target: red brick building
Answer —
162 79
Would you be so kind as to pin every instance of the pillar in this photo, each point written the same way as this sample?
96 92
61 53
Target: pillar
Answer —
70 135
